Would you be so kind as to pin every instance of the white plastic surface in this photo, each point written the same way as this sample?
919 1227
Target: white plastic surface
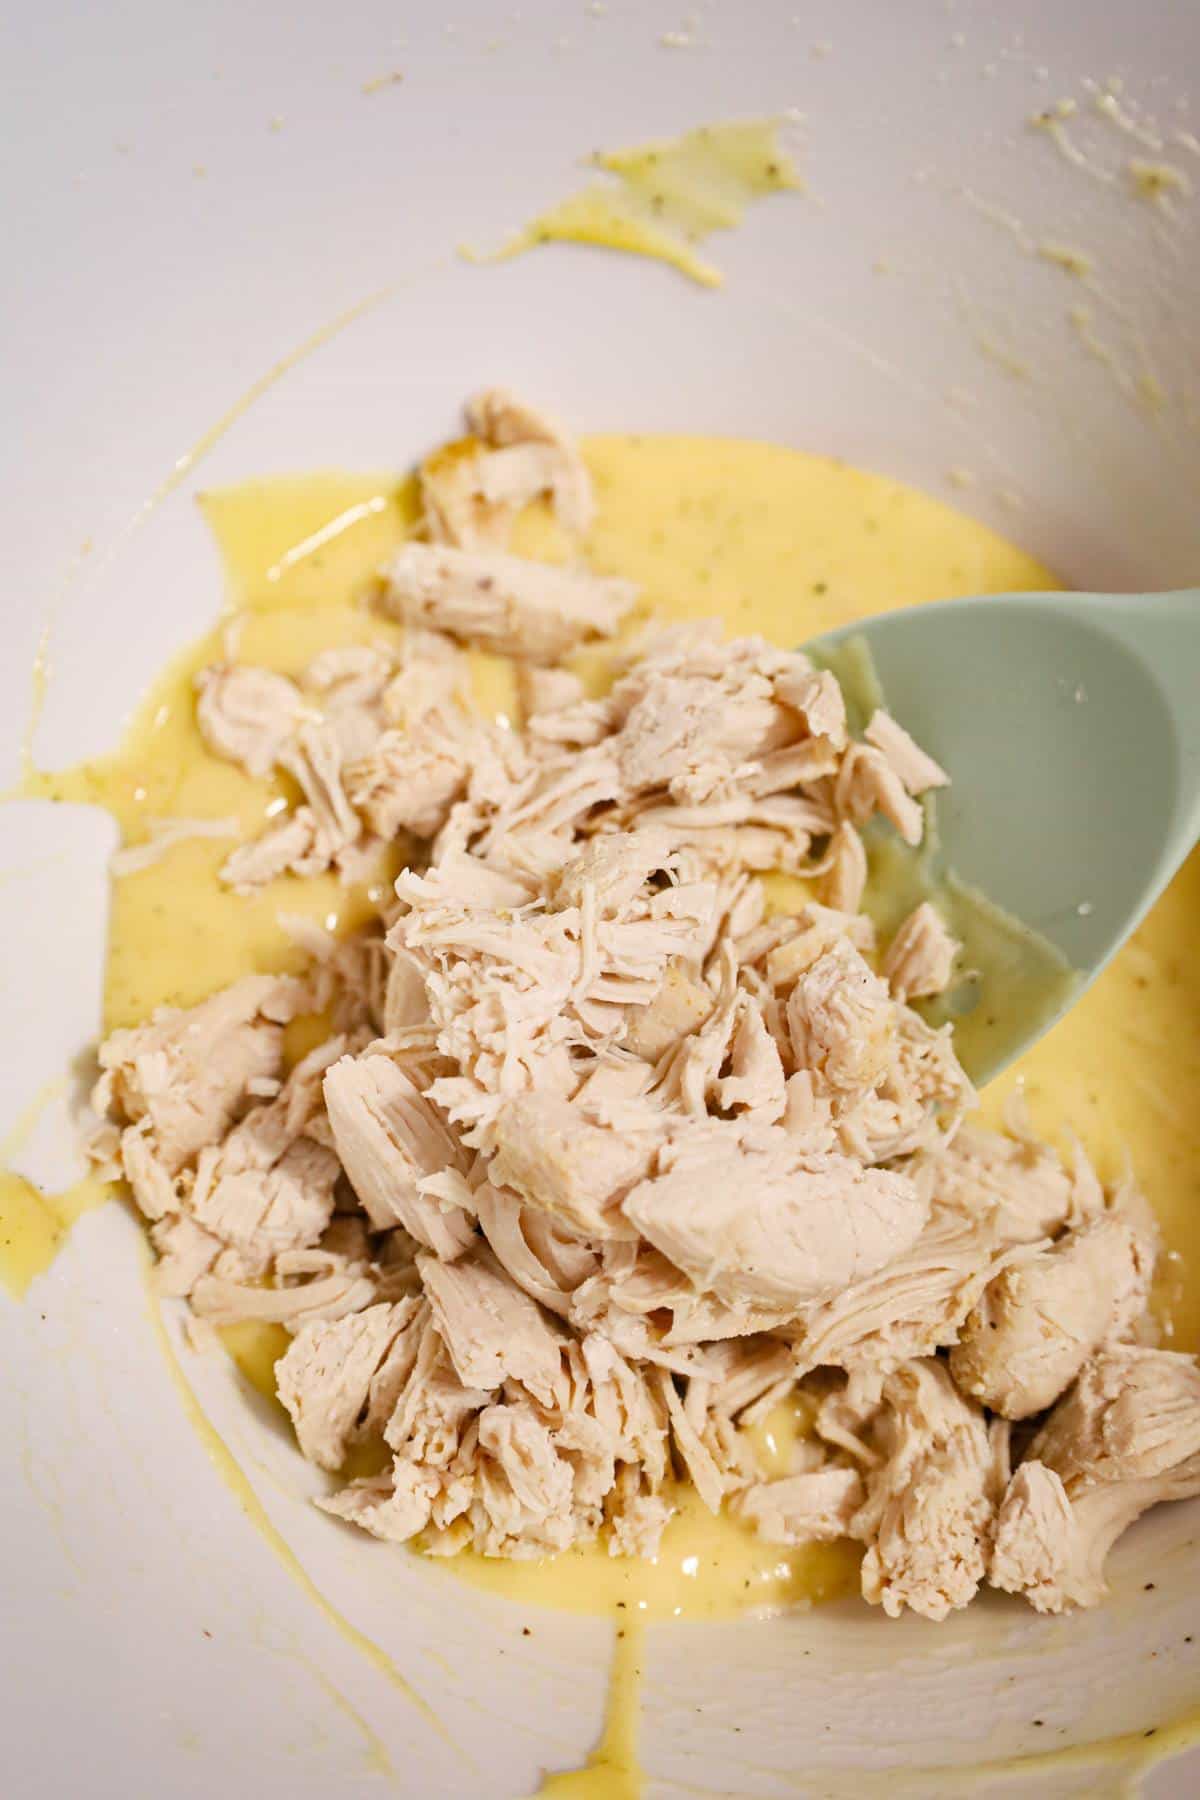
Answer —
152 1643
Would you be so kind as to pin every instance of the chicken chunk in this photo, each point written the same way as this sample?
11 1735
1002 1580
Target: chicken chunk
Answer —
814 1507
340 1381
1126 1437
770 1226
187 1073
518 608
918 771
1039 1321
473 490
389 1136
1023 1187
845 873
691 735
408 781
914 1305
503 421
248 715
840 1018
867 784
927 1516
492 1331
681 1006
548 1153
919 961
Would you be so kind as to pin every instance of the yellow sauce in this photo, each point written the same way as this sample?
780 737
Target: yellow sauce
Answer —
769 540
612 1771
670 195
34 1224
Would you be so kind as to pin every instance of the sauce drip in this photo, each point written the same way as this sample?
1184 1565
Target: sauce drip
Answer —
670 195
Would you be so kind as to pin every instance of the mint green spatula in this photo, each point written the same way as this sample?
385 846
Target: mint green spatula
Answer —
1070 726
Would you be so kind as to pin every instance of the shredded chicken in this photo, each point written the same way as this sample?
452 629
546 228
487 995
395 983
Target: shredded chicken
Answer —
600 1161
473 491
519 608
1126 1437
1040 1320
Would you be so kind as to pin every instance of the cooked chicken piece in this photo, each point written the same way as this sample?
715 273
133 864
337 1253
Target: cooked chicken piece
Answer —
434 674
408 781
867 784
636 1524
547 690
248 715
1126 1437
610 872
388 1136
915 769
702 1467
919 961
185 1253
1133 1414
259 1212
340 1381
269 1187
556 1160
756 1082
845 874
812 1507
1021 1186
928 1511
524 1487
840 1018
394 1506
350 675
690 734
1039 1321
915 1304
544 1263
817 697
315 1284
314 759
155 1189
518 608
492 1331
918 1101
642 1303
798 939
1034 1537
289 845
500 419
769 1225
454 507
348 684
473 490
187 1073
681 1006
807 1116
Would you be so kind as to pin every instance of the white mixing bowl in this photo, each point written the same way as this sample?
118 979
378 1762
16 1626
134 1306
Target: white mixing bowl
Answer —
194 192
